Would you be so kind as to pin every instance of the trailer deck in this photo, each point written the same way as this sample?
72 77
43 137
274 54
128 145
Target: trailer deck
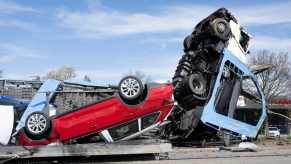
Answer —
133 147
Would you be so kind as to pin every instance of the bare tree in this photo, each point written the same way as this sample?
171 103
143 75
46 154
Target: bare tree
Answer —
141 75
87 78
63 73
275 81
1 73
35 77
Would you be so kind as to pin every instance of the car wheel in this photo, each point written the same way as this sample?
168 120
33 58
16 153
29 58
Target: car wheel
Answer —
220 28
130 87
198 84
37 125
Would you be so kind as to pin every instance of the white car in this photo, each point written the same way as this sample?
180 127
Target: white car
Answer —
6 123
274 132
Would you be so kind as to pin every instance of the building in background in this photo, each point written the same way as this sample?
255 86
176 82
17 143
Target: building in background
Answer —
248 112
20 89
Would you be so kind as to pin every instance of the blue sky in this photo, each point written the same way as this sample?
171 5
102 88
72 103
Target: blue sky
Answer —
107 39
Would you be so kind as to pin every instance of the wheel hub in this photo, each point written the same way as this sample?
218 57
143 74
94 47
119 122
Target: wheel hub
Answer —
130 87
36 123
221 27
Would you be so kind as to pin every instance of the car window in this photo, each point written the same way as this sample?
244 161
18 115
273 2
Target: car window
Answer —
238 96
149 120
124 130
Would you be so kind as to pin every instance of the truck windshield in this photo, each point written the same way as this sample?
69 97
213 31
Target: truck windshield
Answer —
238 96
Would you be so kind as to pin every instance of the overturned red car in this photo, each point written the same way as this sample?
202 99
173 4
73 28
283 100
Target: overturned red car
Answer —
131 110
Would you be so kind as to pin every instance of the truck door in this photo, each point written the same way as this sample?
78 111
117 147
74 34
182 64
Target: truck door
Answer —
237 104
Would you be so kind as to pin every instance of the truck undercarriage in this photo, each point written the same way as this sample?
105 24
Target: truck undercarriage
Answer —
197 72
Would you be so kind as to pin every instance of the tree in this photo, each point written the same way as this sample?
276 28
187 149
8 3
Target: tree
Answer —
63 73
87 78
36 77
1 73
275 81
141 75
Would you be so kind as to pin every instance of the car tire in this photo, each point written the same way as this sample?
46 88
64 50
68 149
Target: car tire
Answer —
220 28
37 125
130 88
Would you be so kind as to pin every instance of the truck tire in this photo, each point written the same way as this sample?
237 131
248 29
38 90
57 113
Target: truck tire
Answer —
198 84
220 28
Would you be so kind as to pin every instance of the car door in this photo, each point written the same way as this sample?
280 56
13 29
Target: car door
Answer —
93 118
131 128
147 113
135 118
121 131
40 100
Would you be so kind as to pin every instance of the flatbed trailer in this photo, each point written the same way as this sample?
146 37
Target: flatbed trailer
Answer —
156 148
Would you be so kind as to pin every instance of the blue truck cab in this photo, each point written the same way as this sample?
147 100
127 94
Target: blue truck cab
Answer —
236 94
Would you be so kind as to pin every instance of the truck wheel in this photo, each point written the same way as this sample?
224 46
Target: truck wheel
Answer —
37 125
188 42
220 28
130 87
198 84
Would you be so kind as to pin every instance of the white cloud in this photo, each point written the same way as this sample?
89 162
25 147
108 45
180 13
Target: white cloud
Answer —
9 7
161 69
102 77
168 39
272 43
12 23
103 22
11 52
22 76
273 13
